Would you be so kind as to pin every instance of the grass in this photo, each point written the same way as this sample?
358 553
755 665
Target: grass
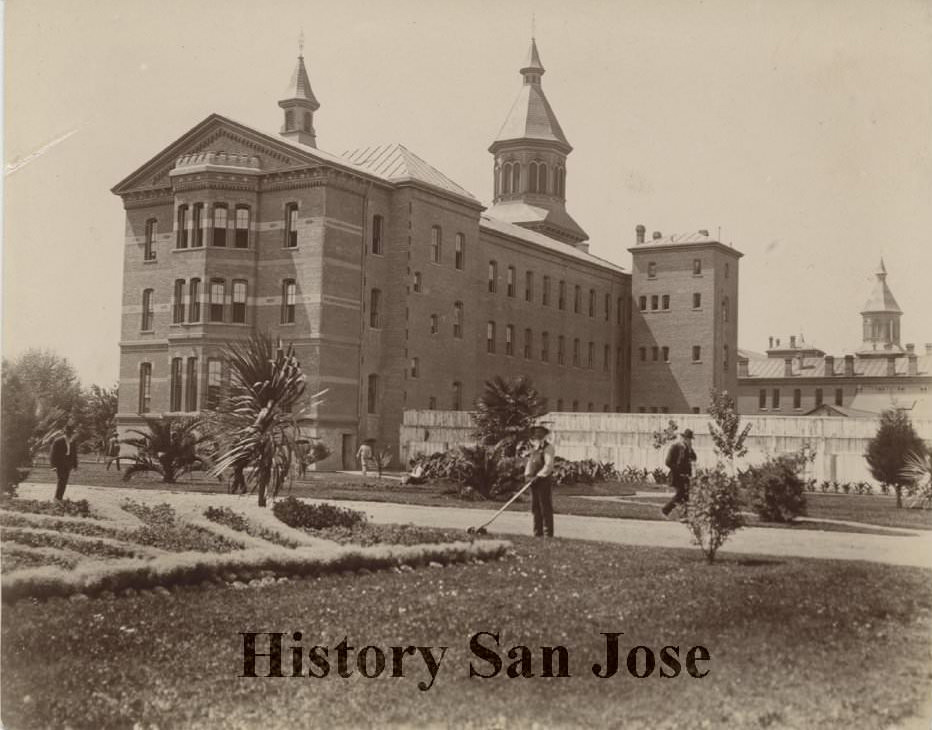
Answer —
793 643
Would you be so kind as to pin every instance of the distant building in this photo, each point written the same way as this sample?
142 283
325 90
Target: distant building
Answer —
800 379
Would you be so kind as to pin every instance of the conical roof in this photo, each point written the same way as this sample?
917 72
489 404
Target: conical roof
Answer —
300 85
881 299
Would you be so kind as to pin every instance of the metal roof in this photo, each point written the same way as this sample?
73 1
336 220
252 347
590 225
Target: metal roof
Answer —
881 298
813 367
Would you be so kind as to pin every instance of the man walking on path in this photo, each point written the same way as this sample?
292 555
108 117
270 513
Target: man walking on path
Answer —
538 471
680 460
364 456
63 458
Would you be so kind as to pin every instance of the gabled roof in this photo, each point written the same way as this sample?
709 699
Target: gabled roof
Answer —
881 298
396 163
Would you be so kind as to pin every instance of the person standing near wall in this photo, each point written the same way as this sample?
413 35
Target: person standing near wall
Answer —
680 458
538 471
64 458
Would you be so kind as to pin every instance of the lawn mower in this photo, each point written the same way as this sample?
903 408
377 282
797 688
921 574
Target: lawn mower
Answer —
480 529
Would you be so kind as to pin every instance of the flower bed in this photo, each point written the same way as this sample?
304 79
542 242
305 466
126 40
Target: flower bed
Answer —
13 557
295 513
57 508
77 527
163 530
236 521
366 534
89 547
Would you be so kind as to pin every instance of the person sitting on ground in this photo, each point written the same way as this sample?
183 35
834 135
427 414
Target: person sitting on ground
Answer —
416 476
680 458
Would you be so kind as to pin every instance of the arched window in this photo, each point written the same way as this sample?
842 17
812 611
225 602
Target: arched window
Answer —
178 302
458 320
457 396
375 308
238 313
174 389
242 227
510 339
148 252
493 277
145 387
372 393
560 181
528 343
516 178
289 295
459 252
497 180
307 121
181 235
220 224
377 235
148 311
217 295
289 120
725 309
197 226
545 347
190 398
542 178
436 244
194 300
506 178
291 225
532 178
214 381
490 337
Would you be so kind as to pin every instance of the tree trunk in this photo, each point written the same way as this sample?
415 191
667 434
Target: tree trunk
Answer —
898 488
262 494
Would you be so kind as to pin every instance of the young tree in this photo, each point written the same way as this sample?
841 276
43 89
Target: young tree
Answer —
713 510
19 422
887 452
505 412
170 447
258 425
725 428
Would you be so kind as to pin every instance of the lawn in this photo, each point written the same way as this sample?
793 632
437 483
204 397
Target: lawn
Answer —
793 643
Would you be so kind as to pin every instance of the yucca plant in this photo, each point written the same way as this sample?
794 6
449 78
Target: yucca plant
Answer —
257 426
170 446
918 473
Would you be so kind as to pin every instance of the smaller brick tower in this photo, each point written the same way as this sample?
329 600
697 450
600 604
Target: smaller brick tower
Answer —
299 105
684 322
881 320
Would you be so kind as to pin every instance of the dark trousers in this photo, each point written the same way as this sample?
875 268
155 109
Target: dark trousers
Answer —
680 483
63 473
542 506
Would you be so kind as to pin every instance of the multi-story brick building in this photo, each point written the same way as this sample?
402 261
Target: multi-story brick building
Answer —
800 379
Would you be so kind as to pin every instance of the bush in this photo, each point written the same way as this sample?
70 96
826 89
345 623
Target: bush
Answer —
295 513
774 490
367 534
712 510
235 521
58 508
162 530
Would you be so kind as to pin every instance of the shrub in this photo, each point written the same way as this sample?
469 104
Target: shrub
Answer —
712 512
774 490
366 534
162 530
235 521
295 513
888 451
58 508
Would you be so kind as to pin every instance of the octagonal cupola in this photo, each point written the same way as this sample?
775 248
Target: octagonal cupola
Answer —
299 105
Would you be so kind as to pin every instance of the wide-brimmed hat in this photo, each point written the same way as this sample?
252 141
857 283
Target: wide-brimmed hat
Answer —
539 430
688 433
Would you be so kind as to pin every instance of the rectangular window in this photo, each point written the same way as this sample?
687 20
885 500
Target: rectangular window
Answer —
148 311
194 300
642 303
241 236
377 235
416 286
592 302
642 354
654 302
148 251
190 399
620 307
490 337
528 344
561 296
762 399
375 309
217 295
697 300
697 353
561 350
590 356
220 225
214 382
372 394
839 397
493 277
178 302
608 307
459 252
651 270
818 397
797 398
726 270
545 295
725 358
665 302
145 387
545 347
510 281
291 225
665 352
577 299
175 385
238 312
415 367
775 398
434 324
528 286
181 235
576 352
197 226
510 339
457 396
458 320
606 358
436 244
697 267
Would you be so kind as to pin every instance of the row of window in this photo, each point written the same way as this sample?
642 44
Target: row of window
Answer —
775 396
697 269
195 226
662 354
511 290
184 377
187 300
377 243
660 409
534 178
529 351
661 302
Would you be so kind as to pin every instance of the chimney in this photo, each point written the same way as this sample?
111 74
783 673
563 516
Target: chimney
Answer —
743 368
910 347
829 366
792 342
787 367
657 235
639 232
770 347
891 366
703 232
912 364
849 366
929 348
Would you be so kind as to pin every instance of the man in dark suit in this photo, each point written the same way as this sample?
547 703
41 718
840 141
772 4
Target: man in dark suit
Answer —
64 458
680 460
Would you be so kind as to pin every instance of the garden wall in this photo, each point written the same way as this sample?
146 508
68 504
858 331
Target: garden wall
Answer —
627 438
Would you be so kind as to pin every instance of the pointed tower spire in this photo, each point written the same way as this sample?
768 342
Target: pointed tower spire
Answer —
880 318
530 162
299 104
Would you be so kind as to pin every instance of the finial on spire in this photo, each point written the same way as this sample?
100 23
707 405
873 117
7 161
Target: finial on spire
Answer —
882 269
301 43
533 25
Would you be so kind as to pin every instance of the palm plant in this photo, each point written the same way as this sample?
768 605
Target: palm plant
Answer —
918 473
170 446
505 412
257 426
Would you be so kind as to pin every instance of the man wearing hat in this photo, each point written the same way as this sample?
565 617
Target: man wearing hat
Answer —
680 460
538 471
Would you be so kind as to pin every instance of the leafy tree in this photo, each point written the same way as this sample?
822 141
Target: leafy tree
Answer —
258 425
19 422
725 428
170 446
505 412
53 382
888 450
713 509
99 416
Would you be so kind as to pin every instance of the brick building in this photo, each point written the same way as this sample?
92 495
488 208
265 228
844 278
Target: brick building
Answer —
397 287
798 378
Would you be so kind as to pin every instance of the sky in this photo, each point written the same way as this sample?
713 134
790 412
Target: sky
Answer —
802 130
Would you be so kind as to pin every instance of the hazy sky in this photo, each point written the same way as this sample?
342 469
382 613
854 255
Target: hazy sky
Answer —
802 128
